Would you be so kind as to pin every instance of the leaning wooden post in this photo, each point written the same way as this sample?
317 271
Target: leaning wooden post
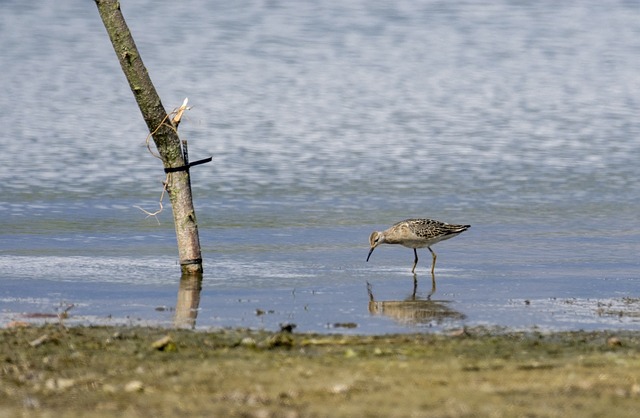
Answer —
163 131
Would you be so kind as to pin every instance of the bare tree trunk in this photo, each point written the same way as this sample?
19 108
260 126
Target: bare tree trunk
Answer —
164 132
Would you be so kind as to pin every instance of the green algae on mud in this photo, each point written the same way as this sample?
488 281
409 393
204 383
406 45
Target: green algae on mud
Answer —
144 372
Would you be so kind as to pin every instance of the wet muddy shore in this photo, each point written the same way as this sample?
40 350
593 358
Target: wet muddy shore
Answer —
54 370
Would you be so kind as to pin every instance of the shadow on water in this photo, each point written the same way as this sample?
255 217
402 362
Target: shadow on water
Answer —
415 310
188 301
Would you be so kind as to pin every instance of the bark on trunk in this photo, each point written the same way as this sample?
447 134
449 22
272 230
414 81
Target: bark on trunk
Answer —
164 133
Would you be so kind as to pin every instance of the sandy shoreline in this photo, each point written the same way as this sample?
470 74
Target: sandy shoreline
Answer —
142 372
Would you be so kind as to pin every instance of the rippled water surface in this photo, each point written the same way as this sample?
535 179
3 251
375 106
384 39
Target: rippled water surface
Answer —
327 120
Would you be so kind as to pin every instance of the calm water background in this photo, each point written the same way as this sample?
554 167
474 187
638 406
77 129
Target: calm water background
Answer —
327 120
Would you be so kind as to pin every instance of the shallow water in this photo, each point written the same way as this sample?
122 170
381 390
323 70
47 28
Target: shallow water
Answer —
325 122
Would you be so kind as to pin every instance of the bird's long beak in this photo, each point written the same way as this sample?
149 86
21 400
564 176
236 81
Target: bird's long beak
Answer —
370 251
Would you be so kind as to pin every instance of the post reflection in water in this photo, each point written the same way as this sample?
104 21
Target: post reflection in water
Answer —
188 301
415 310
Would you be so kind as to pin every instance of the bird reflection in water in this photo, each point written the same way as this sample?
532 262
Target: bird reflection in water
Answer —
414 310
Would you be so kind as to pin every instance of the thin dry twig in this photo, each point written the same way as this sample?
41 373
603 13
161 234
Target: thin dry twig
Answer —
154 214
178 113
175 116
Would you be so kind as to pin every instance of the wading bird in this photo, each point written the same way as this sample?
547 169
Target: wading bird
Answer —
416 233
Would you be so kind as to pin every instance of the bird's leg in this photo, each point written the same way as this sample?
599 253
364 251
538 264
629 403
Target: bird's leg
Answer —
433 287
433 263
415 262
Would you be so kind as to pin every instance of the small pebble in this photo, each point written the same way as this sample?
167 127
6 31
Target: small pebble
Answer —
248 342
39 341
339 388
614 342
163 344
59 384
134 386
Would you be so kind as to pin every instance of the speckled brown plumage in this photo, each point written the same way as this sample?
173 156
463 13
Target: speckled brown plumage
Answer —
416 233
